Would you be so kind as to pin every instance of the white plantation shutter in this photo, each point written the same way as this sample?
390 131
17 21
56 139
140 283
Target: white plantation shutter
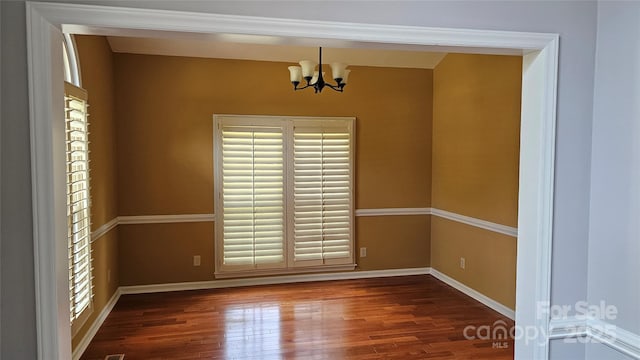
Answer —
322 189
284 190
252 197
78 203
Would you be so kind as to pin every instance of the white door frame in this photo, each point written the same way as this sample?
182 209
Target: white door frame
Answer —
537 140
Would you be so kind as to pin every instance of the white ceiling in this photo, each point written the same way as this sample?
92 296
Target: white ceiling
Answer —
262 48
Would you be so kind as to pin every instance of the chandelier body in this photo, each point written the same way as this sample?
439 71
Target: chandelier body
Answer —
315 79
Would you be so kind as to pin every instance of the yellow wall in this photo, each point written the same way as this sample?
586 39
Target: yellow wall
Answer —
490 258
157 112
394 242
97 78
476 127
165 154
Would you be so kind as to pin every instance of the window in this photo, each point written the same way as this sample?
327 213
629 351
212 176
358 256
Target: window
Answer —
284 194
78 205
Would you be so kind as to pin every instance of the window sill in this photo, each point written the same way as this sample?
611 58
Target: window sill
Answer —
290 271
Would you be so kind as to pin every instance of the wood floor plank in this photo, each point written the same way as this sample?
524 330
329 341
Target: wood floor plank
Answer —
409 317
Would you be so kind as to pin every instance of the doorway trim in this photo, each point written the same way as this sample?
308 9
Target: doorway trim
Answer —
45 21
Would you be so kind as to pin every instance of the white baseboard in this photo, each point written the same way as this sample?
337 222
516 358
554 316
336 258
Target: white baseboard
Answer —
502 309
284 279
603 332
93 330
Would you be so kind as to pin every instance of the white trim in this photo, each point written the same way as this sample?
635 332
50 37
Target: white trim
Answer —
74 65
567 328
180 218
286 279
535 203
614 337
536 194
483 224
105 228
393 211
97 323
487 225
502 309
284 271
165 219
601 331
53 330
77 18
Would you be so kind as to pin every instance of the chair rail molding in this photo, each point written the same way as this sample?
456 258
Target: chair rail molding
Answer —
483 224
45 21
187 218
165 219
102 230
592 329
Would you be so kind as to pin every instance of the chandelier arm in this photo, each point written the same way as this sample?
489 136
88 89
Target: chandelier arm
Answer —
304 87
338 88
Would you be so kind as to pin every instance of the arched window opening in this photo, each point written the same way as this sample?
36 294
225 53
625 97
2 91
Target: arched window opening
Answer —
70 60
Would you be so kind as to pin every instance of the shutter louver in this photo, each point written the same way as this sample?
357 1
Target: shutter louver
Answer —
253 197
322 194
78 201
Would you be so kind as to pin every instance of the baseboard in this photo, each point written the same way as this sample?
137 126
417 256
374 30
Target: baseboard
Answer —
502 309
93 330
271 280
606 333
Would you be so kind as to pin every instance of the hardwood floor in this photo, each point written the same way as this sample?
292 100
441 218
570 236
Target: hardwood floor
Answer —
409 317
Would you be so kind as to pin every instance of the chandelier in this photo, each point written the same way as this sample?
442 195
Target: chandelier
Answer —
315 79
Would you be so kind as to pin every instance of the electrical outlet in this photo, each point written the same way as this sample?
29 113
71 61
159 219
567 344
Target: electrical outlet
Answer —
462 263
196 260
363 252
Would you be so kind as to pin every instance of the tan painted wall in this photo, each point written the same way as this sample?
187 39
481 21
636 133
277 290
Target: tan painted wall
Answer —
164 110
490 258
96 62
476 127
394 242
476 136
163 253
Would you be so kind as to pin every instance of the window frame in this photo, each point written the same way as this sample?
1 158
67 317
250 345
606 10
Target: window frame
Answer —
72 73
287 123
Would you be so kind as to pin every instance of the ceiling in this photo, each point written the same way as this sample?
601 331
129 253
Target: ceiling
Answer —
227 46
